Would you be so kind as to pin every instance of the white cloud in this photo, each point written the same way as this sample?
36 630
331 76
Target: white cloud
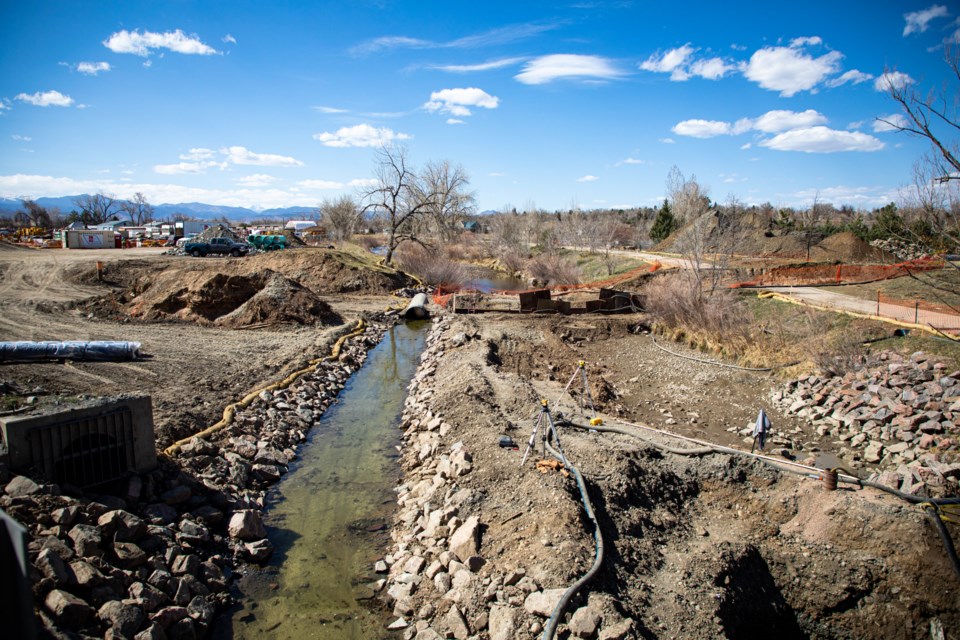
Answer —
483 66
197 154
457 102
256 180
229 38
681 66
711 69
17 136
672 62
363 182
746 146
668 141
919 21
46 99
822 140
92 68
588 178
567 66
889 123
455 121
632 161
892 79
242 155
697 128
854 76
4 105
776 121
330 110
802 42
188 167
361 135
790 70
141 44
498 36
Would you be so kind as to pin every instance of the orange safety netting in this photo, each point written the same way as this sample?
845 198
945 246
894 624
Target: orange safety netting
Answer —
444 293
921 305
839 273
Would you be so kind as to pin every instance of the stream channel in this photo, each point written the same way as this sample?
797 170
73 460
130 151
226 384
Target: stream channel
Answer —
329 517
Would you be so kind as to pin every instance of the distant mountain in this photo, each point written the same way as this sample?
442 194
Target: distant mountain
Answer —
198 210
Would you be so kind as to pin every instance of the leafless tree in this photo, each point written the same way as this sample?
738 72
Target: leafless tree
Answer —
34 215
139 210
97 209
399 196
340 216
810 219
933 116
448 199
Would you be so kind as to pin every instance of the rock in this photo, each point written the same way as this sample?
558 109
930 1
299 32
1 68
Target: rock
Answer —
122 526
502 622
153 632
259 550
168 616
584 622
185 564
149 597
465 541
51 565
176 495
398 624
182 630
201 610
68 609
246 525
456 623
21 486
124 619
129 554
873 451
86 540
542 603
160 513
618 631
414 565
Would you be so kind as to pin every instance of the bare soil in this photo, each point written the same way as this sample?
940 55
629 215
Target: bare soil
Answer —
697 547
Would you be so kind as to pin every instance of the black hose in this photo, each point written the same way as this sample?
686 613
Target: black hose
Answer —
900 494
933 514
551 628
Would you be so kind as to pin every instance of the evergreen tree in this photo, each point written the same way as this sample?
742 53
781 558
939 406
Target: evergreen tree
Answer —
663 224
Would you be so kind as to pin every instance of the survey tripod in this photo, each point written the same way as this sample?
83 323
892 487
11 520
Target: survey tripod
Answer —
549 429
581 371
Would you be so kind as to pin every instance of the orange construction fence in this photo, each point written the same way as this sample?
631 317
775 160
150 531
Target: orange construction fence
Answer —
839 273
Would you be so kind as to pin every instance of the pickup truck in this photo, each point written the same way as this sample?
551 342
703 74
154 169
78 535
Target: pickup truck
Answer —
217 245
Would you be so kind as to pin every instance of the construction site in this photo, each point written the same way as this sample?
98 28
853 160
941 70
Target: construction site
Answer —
282 454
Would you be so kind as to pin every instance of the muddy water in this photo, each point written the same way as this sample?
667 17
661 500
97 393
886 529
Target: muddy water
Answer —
328 517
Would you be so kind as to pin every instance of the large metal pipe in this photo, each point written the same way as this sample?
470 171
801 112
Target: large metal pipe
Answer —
417 309
69 350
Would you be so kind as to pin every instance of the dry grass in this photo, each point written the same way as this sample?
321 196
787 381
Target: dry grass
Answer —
368 242
431 268
680 304
554 270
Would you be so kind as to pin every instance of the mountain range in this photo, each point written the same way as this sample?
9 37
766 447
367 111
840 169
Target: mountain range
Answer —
198 210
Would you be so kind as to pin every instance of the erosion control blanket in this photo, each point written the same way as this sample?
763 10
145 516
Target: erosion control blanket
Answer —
69 350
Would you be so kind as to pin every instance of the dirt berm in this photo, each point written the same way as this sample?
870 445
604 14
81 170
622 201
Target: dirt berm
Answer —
714 546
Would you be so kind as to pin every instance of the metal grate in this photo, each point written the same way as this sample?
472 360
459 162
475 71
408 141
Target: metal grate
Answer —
85 452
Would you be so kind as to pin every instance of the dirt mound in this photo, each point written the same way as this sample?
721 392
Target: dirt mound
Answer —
328 271
847 247
231 300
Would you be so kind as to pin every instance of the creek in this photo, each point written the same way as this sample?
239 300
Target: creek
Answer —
329 518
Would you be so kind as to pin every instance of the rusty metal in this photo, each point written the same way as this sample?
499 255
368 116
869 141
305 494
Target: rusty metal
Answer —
829 477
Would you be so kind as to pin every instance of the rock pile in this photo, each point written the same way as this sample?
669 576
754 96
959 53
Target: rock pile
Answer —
436 578
898 414
156 561
901 249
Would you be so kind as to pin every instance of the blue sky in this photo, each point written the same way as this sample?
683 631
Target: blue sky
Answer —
267 104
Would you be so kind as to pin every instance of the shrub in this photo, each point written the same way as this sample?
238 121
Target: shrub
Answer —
553 270
679 302
433 269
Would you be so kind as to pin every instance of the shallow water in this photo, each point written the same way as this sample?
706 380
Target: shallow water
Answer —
328 518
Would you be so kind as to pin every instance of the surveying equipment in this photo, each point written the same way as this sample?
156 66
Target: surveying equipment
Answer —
550 429
584 392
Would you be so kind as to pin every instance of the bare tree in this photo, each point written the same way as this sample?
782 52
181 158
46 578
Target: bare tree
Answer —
34 215
810 219
139 210
97 209
448 198
933 116
340 216
399 196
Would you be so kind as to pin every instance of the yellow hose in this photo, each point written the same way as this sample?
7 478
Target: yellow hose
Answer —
231 409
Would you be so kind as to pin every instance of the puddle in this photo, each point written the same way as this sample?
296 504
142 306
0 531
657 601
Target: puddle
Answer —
329 517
